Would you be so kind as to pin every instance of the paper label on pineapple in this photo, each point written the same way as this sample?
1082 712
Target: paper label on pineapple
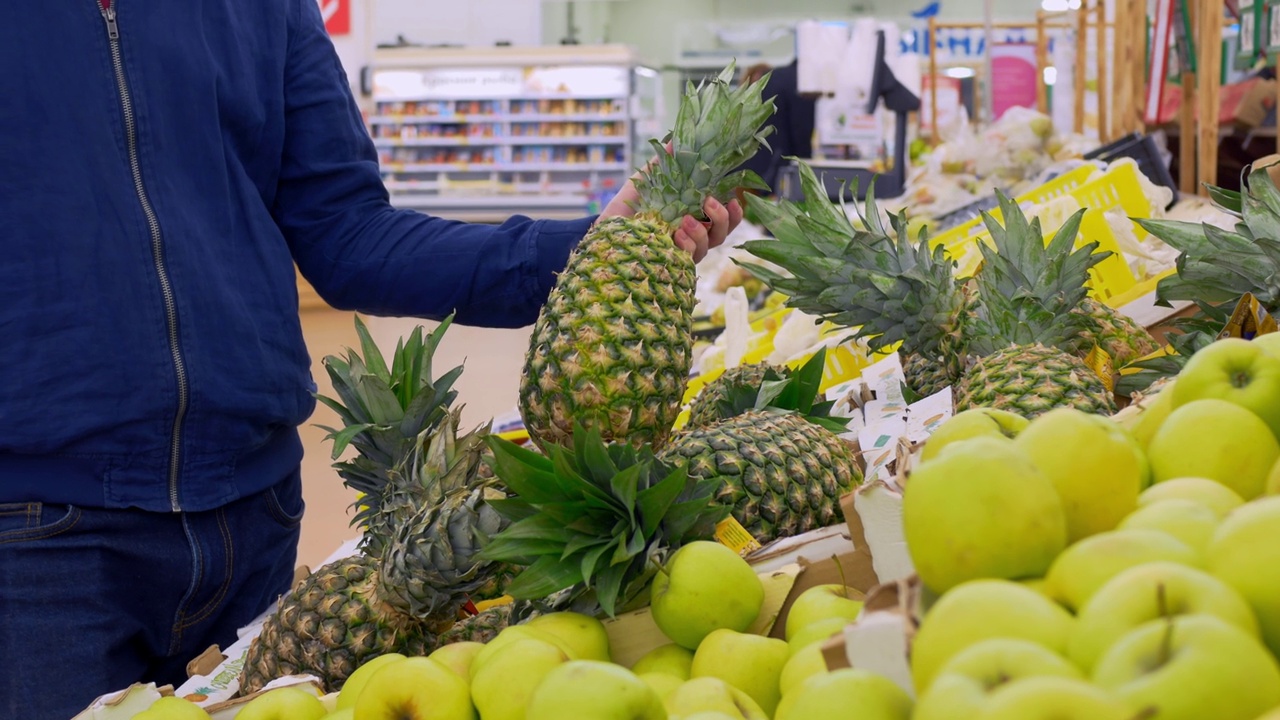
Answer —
885 378
731 534
925 415
1100 362
879 447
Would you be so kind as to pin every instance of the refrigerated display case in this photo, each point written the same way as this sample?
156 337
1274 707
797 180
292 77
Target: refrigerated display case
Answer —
483 133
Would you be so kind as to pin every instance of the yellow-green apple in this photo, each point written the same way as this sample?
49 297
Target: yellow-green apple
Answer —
354 685
1245 554
1097 468
1190 522
1237 371
584 634
1151 414
286 703
705 586
670 658
751 663
846 693
417 688
1273 715
1039 584
981 509
980 610
1149 592
1273 480
710 694
1218 440
1213 495
512 634
823 602
802 665
502 686
1054 698
1087 565
593 690
978 422
1190 668
172 708
662 683
965 683
817 632
707 715
343 714
457 656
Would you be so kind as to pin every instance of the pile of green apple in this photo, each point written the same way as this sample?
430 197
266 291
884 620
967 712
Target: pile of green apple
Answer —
1078 566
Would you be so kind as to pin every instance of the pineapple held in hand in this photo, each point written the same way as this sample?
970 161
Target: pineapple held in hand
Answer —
612 346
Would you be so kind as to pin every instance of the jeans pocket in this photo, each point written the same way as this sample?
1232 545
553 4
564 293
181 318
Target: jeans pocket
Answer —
22 522
285 503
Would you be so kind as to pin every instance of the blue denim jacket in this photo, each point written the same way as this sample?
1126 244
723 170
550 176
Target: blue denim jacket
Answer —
162 165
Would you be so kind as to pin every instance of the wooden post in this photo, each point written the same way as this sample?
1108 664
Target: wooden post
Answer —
1187 171
1209 71
1042 62
1081 72
933 80
1100 47
1143 56
1121 93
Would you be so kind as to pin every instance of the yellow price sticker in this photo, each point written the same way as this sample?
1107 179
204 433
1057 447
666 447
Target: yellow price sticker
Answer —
731 534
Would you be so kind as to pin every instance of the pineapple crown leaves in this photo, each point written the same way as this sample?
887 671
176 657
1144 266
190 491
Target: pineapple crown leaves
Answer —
796 392
1191 334
1218 265
594 516
383 409
1027 288
718 127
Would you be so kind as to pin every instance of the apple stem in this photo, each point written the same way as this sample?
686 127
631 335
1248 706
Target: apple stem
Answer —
1162 601
844 584
1146 713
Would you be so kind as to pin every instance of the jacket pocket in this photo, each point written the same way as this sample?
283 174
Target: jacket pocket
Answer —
285 503
24 522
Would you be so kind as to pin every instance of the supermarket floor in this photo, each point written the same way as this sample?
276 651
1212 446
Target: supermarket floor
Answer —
488 388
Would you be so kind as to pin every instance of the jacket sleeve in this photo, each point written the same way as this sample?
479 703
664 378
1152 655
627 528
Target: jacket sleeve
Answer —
357 251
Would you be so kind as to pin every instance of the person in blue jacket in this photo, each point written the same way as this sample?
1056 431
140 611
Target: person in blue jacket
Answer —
162 166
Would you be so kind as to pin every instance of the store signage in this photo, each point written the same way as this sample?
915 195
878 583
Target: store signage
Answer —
1013 77
961 44
337 16
501 82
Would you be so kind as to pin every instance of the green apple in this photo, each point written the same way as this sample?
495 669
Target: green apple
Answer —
343 714
354 685
965 683
1190 522
1151 414
417 688
846 694
512 634
1245 554
1273 715
1213 495
593 690
823 602
1087 565
708 715
172 708
584 634
662 683
1149 592
705 586
502 687
286 703
457 657
751 663
1217 440
1191 667
802 665
1237 371
980 610
1273 480
710 694
978 422
817 632
1054 698
1040 585
981 509
1270 342
1097 468
671 659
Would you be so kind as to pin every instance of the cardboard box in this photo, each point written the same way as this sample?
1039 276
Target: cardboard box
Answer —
880 640
823 557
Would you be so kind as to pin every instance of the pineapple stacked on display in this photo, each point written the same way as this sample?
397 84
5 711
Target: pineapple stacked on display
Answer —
425 511
1009 338
612 347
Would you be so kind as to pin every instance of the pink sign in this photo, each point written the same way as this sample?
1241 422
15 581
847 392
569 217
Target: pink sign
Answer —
1013 76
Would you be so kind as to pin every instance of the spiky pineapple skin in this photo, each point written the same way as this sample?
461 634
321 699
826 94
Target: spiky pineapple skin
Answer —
1116 333
612 347
1032 380
329 625
781 474
481 627
702 411
926 376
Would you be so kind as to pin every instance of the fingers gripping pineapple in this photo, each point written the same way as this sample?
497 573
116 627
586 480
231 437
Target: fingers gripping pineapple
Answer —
612 346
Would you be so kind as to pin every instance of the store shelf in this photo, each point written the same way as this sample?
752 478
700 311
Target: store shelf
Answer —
503 167
509 140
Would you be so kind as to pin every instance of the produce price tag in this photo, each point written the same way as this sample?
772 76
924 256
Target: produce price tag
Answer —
731 534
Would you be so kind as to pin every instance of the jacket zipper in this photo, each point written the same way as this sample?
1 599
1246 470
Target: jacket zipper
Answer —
157 249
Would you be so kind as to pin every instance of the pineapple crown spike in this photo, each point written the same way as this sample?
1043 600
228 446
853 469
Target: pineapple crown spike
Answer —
796 392
718 127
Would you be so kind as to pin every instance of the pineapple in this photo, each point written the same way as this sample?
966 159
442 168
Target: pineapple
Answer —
1123 339
426 512
612 346
704 409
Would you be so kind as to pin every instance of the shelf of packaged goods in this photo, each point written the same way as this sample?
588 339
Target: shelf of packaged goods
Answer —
493 119
503 140
391 98
392 168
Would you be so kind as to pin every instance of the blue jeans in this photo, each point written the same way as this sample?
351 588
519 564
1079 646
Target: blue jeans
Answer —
92 600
